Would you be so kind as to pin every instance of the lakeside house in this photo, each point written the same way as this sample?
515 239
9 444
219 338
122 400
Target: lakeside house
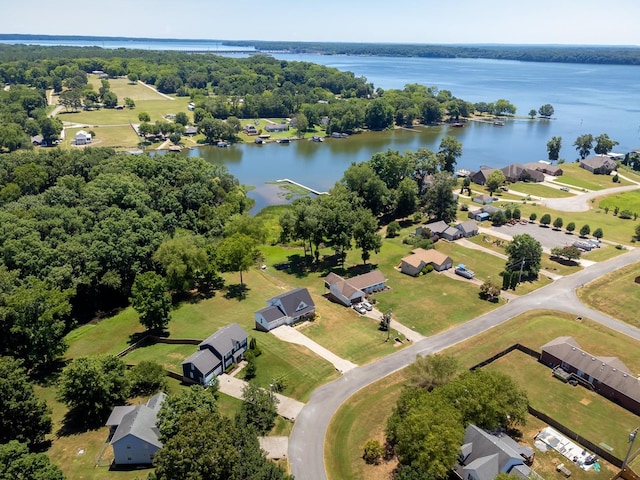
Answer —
520 173
546 168
608 376
276 127
516 172
215 354
82 138
439 230
355 289
133 433
416 262
286 309
482 199
599 165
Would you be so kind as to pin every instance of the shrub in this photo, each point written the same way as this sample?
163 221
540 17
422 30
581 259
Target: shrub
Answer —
571 226
585 230
557 223
427 269
410 239
625 214
464 207
392 229
533 217
372 452
425 243
597 233
545 219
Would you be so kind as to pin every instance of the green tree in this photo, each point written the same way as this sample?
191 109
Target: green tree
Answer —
502 107
431 371
585 230
144 117
499 218
31 177
133 77
50 129
71 100
129 102
12 137
431 111
301 123
557 223
451 150
195 399
91 386
546 111
147 378
23 416
545 219
525 254
604 144
175 138
406 197
533 217
365 234
598 233
379 114
393 229
568 252
495 180
150 299
571 226
237 253
182 119
110 100
17 463
372 452
532 113
553 148
489 290
440 202
584 144
259 408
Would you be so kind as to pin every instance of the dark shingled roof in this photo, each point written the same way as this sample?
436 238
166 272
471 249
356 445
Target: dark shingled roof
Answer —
295 302
271 313
141 422
204 360
224 339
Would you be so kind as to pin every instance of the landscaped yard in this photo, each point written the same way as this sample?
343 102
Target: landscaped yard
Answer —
615 294
539 190
353 424
115 136
581 178
624 201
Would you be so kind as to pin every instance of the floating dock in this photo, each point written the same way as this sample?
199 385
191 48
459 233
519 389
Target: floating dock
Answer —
287 180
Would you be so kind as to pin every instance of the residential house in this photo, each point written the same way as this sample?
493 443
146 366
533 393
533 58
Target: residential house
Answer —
37 141
545 167
480 177
608 376
355 289
484 455
133 432
468 228
276 127
215 354
83 138
519 173
490 209
439 230
285 309
599 165
478 215
250 129
190 131
420 258
482 199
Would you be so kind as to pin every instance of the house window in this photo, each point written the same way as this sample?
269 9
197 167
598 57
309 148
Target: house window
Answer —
129 458
129 446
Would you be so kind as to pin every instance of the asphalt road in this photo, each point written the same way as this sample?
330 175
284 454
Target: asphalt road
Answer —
306 442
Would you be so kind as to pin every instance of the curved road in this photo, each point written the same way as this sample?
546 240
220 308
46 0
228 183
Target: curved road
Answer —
306 443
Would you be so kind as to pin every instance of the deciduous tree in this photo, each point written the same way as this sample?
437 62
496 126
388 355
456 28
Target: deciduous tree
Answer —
149 297
584 144
237 253
604 144
431 371
195 399
553 148
147 378
451 150
259 408
525 254
17 463
439 200
495 180
546 110
365 234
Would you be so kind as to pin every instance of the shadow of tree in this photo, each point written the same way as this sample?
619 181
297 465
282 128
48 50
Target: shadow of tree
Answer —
237 290
76 422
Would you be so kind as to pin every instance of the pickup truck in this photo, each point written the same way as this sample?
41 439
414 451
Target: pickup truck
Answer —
463 271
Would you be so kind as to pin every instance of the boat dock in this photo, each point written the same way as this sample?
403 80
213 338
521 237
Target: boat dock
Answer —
287 180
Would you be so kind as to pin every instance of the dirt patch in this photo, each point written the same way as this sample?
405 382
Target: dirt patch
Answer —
585 401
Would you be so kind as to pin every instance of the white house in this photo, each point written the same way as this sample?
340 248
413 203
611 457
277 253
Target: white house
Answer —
83 138
286 309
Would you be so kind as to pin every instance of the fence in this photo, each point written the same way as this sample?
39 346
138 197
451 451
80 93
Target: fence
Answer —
517 346
152 339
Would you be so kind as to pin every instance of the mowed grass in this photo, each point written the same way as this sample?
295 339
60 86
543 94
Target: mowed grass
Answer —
624 201
539 190
353 424
579 177
170 356
115 136
122 87
605 252
615 294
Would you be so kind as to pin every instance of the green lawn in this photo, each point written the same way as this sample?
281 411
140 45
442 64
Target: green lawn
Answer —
539 190
484 265
624 201
605 252
115 136
122 87
619 285
581 178
168 355
353 425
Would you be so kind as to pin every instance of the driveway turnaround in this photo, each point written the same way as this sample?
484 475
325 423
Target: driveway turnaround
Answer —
581 202
306 443
276 447
287 407
291 335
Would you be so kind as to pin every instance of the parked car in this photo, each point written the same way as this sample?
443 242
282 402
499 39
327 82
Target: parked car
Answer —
367 306
359 308
463 271
586 246
595 242
564 189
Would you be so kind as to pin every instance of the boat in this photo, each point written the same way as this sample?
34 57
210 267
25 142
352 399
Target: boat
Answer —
258 141
457 124
283 140
223 144
498 123
264 136
463 173
316 138
175 148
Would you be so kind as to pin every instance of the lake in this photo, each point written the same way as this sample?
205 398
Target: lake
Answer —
587 99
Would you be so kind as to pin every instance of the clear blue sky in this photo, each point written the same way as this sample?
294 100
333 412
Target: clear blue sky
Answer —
603 22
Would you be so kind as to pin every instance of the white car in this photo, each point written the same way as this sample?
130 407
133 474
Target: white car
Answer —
367 306
360 309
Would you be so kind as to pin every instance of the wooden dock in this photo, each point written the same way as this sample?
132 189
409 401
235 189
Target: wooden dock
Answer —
287 180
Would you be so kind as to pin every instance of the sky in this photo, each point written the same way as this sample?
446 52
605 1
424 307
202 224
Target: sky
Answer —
574 22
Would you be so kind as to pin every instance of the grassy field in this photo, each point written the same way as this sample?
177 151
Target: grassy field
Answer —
599 294
579 177
122 87
168 355
604 253
624 201
115 136
352 425
539 190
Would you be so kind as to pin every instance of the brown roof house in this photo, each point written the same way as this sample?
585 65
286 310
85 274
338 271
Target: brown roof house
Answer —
480 177
215 354
600 165
133 434
517 173
440 230
355 289
608 376
545 168
420 258
285 309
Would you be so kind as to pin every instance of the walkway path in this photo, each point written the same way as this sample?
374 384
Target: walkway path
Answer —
288 408
306 443
153 89
291 335
408 333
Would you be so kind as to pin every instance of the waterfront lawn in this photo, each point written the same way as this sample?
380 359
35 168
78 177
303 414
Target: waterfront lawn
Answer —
539 190
353 424
579 177
115 136
615 294
122 87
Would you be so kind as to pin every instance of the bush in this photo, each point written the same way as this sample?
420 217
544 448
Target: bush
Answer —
545 219
147 378
464 207
533 217
372 452
427 269
625 214
425 243
392 229
410 239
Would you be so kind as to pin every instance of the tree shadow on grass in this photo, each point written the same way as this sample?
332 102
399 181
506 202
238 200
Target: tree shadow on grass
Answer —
236 290
76 422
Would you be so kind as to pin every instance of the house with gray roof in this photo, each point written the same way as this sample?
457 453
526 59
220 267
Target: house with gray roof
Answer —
468 228
354 290
439 230
285 309
599 165
133 432
215 354
608 376
484 455
276 127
